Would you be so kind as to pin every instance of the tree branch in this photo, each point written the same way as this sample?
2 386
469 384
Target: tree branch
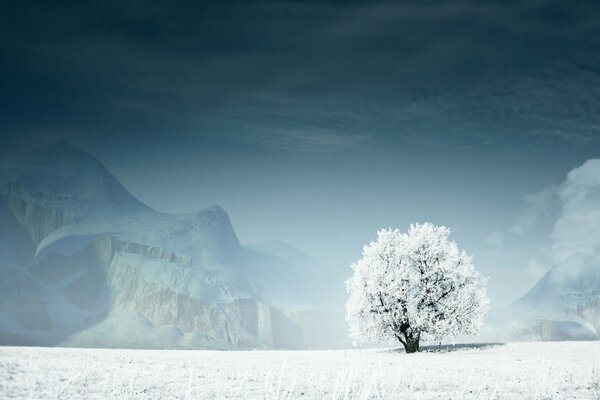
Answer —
400 339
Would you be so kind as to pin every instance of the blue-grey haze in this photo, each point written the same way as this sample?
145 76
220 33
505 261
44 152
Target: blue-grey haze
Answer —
318 123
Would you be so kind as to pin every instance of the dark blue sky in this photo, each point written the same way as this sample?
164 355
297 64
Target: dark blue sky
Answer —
319 122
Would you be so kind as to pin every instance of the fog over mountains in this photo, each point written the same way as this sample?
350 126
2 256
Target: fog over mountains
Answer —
563 305
84 263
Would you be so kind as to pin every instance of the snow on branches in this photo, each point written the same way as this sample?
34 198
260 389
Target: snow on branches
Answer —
414 286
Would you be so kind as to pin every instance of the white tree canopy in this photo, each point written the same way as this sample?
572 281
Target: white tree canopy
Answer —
414 285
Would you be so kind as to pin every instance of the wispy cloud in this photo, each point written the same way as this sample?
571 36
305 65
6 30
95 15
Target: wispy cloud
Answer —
539 206
567 215
312 140
536 269
458 75
578 226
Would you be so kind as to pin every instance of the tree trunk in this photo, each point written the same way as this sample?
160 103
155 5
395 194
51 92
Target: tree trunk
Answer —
411 338
411 345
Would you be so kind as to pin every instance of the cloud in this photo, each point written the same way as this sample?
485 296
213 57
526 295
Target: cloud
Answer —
565 216
577 228
467 73
558 221
535 269
539 206
311 140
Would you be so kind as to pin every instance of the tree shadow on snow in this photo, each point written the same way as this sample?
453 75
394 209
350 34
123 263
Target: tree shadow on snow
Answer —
447 348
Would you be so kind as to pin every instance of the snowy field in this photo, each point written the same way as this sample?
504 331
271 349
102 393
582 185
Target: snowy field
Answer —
559 370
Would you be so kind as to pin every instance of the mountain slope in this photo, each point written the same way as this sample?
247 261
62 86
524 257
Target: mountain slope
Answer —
571 283
90 264
563 305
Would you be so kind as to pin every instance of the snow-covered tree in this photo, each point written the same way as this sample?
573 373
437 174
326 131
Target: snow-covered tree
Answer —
414 286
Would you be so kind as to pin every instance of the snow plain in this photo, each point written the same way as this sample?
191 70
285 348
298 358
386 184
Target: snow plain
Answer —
550 370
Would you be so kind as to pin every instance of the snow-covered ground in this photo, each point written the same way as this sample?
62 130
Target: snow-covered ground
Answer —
557 370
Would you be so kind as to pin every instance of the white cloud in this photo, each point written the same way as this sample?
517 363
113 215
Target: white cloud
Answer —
539 206
578 226
535 269
560 220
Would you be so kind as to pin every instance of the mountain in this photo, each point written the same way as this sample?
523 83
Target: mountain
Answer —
325 326
563 305
85 263
573 283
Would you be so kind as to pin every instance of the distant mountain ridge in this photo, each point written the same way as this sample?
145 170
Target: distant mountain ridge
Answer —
563 305
570 283
85 263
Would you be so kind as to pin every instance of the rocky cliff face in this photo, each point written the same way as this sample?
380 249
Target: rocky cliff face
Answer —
84 263
37 220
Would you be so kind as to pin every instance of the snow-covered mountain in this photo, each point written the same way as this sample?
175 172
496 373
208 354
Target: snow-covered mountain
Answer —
563 305
85 263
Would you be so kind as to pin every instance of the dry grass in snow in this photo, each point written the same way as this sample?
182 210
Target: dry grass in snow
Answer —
559 370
